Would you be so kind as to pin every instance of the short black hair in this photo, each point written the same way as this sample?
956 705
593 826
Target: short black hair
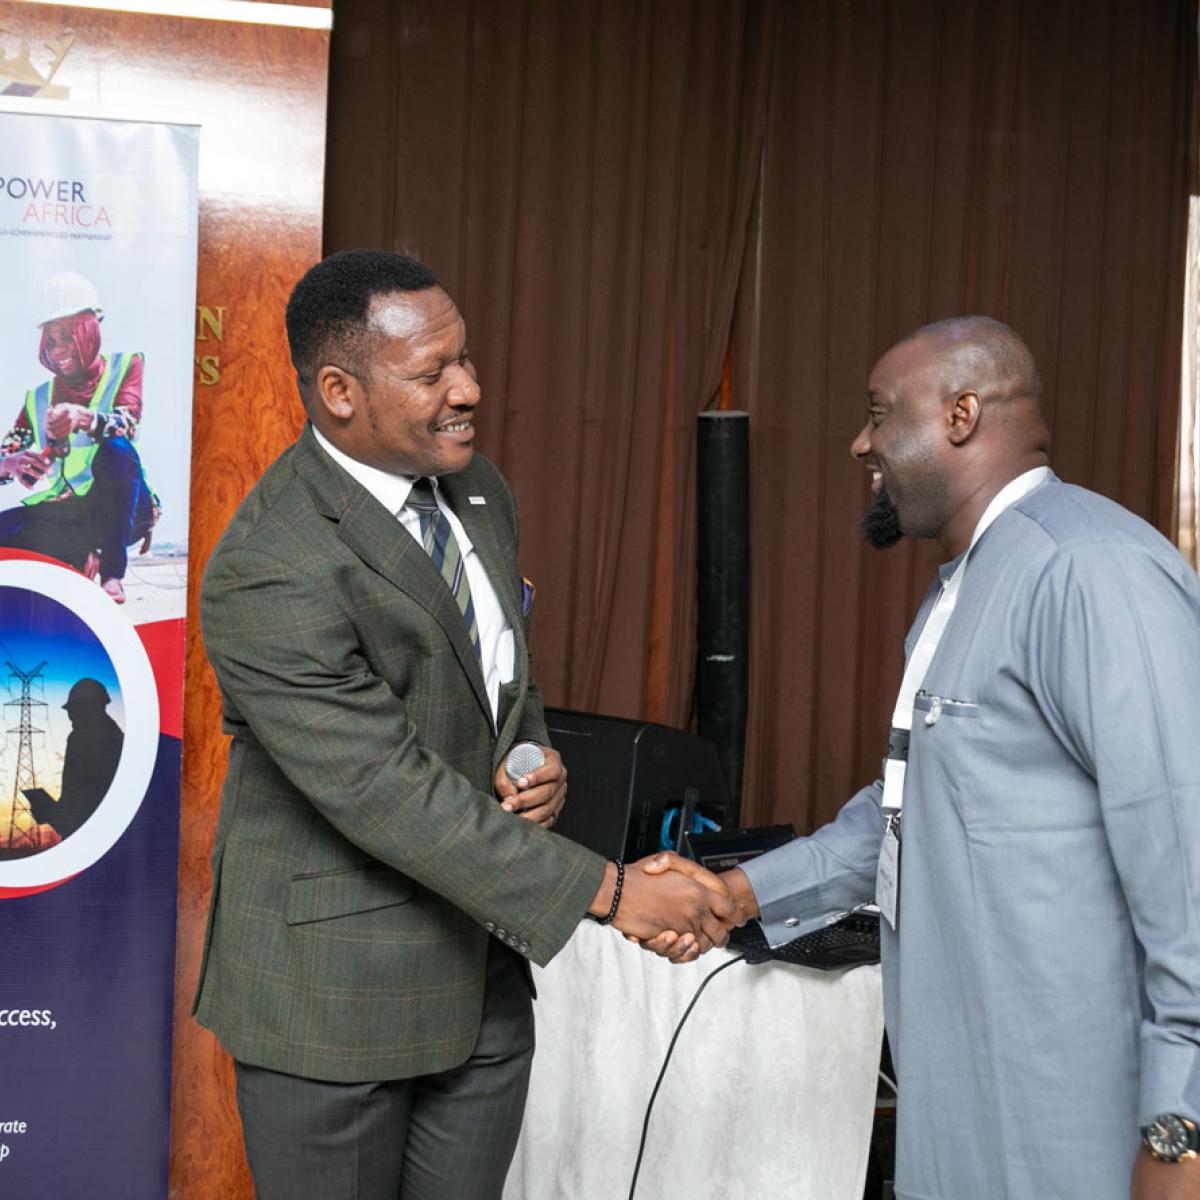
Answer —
328 309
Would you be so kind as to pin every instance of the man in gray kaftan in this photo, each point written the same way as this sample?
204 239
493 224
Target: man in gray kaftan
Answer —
1042 982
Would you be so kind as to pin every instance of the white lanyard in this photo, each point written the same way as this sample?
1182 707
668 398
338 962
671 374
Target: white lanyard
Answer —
935 625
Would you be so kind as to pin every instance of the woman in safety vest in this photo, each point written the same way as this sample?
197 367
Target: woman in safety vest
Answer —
72 445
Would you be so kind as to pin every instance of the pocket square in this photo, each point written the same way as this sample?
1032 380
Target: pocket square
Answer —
528 595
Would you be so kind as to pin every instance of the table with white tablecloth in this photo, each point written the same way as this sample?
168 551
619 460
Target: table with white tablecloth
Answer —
770 1093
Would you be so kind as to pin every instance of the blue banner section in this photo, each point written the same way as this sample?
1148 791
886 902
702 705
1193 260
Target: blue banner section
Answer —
86 1015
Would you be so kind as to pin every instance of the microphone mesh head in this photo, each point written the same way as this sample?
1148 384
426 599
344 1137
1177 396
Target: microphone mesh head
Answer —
523 758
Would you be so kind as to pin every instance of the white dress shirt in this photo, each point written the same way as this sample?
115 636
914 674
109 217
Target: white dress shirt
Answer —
495 633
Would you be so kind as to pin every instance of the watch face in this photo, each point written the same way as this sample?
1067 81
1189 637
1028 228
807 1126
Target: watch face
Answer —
1168 1137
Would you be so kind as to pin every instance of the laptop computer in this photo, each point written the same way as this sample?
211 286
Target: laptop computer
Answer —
848 942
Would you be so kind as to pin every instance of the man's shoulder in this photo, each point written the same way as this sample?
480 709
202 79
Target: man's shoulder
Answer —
1091 542
1076 518
278 537
277 508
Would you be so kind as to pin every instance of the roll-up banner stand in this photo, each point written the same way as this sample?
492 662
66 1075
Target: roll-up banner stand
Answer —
98 271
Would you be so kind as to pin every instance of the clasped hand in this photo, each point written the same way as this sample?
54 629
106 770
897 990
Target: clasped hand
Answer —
676 908
537 796
669 905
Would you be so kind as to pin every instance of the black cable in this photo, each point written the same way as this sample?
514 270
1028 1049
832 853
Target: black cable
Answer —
637 1166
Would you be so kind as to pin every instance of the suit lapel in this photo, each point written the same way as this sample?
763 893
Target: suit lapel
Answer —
382 543
479 521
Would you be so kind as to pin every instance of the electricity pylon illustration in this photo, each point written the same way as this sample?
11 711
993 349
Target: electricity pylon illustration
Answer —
26 777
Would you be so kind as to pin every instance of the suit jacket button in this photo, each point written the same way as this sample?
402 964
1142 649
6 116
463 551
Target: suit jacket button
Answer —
500 933
792 922
490 926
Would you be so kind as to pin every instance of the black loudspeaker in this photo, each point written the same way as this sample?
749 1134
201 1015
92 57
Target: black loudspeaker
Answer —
625 776
723 588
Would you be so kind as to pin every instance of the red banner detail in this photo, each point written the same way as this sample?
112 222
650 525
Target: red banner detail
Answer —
165 646
33 556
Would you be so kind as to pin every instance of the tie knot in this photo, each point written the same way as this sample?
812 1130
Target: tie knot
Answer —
421 496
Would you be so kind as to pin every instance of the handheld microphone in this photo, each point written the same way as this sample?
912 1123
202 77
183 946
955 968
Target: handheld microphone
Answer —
523 758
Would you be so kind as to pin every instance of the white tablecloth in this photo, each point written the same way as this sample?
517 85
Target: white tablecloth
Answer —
769 1095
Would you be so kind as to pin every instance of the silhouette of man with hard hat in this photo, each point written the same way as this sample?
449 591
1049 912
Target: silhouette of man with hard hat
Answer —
93 752
72 444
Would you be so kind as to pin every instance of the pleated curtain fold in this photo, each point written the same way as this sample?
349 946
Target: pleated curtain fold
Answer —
633 201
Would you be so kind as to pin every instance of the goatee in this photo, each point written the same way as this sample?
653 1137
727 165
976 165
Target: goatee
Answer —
880 524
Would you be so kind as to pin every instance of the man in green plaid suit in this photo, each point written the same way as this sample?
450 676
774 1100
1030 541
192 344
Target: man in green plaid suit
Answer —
378 882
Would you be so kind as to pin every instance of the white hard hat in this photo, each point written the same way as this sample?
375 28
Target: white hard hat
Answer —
65 295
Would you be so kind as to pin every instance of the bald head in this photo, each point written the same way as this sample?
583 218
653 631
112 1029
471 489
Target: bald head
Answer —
985 356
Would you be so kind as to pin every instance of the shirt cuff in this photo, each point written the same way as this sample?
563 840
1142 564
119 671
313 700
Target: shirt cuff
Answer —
786 917
1170 1076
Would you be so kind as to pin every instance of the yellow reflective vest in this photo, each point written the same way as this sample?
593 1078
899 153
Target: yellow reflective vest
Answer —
75 471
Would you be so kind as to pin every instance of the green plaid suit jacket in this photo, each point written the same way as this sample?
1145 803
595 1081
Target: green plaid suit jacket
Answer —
360 849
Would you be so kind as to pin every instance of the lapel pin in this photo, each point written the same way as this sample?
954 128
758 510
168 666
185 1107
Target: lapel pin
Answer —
476 499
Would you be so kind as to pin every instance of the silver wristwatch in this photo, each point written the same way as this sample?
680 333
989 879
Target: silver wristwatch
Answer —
1171 1138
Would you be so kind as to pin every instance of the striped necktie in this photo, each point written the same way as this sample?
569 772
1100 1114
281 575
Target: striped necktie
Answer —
442 547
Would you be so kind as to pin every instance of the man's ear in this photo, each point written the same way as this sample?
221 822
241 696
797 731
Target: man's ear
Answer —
964 417
336 392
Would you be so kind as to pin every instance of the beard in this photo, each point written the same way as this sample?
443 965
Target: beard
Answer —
880 524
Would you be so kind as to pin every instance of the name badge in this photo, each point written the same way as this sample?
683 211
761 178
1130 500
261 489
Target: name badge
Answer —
887 877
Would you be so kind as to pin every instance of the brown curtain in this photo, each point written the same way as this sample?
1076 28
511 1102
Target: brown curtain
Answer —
580 177
1024 160
593 181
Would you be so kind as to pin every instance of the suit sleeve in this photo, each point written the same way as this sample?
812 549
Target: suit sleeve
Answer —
533 719
816 880
1115 662
289 662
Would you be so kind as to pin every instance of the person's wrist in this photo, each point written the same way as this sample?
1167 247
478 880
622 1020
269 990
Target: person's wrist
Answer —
602 900
607 899
741 893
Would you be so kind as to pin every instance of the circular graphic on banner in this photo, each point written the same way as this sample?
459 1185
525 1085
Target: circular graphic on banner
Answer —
81 724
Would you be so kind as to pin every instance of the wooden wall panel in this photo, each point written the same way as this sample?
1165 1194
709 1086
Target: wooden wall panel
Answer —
259 92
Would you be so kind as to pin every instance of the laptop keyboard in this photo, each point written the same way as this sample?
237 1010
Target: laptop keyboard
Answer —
852 941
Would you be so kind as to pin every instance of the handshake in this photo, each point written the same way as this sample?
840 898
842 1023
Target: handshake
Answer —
668 904
674 907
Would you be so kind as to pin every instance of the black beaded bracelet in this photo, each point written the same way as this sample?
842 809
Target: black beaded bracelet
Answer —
607 919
